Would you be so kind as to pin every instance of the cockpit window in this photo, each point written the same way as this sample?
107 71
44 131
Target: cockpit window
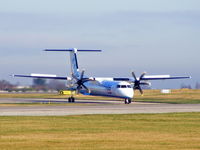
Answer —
128 86
123 86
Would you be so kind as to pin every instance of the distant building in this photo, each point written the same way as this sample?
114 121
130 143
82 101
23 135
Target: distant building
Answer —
22 87
165 91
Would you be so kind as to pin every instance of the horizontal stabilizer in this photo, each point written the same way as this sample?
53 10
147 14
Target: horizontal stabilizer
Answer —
71 50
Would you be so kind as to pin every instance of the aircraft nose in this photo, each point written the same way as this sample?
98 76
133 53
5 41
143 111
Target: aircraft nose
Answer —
126 93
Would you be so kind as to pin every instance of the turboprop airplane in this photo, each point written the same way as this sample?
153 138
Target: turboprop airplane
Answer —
119 87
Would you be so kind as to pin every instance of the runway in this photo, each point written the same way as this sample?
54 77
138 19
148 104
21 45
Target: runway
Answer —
81 107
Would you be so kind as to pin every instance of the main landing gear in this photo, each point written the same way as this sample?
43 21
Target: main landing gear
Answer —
71 99
127 101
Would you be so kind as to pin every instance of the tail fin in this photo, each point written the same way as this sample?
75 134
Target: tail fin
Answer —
73 58
74 63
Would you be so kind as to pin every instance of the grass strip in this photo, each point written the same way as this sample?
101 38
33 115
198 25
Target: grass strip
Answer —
102 132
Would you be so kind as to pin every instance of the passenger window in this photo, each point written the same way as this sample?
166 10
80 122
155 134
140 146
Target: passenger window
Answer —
123 86
128 86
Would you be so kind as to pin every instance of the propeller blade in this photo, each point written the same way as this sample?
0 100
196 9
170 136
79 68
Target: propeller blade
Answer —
86 88
75 77
135 87
78 89
134 76
140 89
145 83
86 80
142 75
82 74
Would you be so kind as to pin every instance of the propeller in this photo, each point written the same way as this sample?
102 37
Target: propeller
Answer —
80 82
138 82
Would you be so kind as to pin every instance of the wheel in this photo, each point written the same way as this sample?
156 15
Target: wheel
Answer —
129 100
126 101
69 99
73 99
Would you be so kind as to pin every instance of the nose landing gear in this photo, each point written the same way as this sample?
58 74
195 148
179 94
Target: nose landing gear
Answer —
127 101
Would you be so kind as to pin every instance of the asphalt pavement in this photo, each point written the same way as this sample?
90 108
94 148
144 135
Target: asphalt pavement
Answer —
60 107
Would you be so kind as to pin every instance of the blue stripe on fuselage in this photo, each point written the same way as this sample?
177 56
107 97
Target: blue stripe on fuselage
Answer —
92 94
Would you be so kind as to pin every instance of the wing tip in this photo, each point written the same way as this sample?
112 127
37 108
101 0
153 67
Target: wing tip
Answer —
12 75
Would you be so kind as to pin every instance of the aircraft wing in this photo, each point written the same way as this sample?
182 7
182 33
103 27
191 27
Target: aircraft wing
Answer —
146 77
43 76
163 77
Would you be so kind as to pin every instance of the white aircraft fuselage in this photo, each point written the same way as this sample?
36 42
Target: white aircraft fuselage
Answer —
118 89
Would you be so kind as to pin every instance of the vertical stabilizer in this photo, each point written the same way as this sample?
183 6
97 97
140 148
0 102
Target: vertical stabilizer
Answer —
74 63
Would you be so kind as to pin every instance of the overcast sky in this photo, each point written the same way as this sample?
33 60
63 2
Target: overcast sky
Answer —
159 37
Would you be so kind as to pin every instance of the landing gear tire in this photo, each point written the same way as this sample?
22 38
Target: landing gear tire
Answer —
127 101
71 99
